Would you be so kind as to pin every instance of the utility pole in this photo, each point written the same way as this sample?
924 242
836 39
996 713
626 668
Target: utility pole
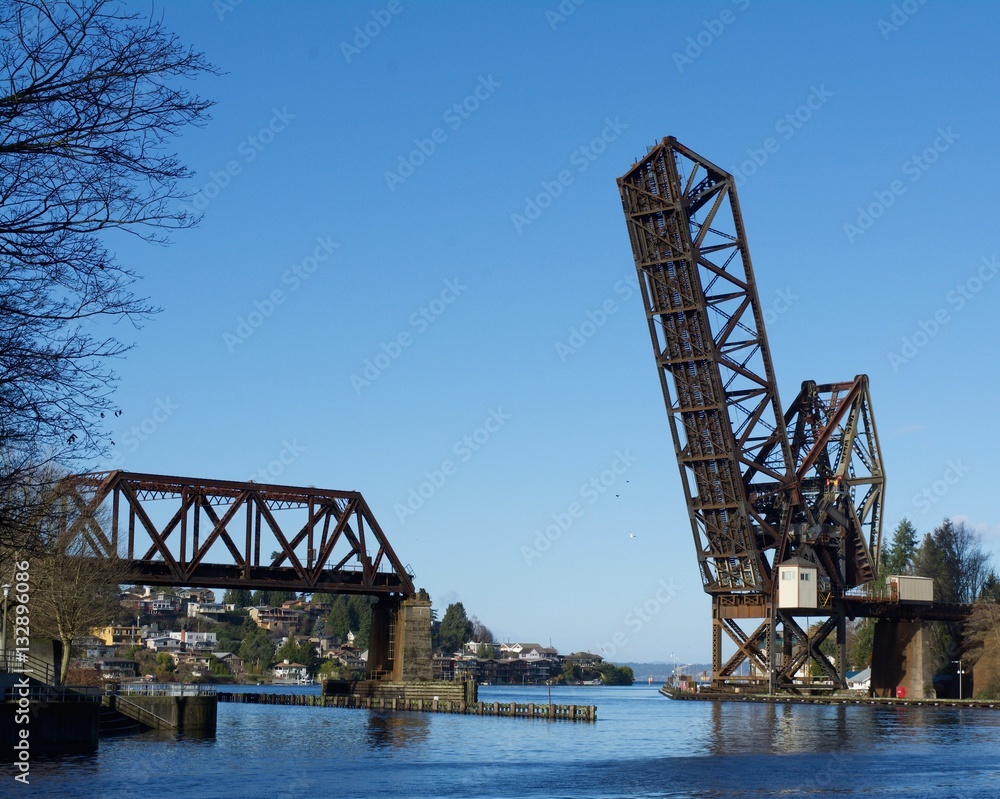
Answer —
3 641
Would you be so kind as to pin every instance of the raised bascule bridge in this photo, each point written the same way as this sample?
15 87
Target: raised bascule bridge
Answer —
785 504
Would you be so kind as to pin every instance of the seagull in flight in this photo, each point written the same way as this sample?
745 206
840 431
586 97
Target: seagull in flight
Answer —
631 534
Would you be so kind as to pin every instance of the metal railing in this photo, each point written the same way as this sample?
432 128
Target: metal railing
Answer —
51 693
13 662
166 689
141 714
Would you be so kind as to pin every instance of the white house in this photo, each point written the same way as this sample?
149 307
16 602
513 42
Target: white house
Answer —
290 671
861 681
163 643
195 640
207 609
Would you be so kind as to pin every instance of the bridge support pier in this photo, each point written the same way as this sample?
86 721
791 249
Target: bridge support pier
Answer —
400 639
901 658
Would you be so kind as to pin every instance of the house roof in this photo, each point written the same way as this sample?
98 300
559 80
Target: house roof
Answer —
797 561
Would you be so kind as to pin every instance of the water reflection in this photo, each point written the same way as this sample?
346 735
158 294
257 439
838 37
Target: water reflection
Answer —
397 730
781 728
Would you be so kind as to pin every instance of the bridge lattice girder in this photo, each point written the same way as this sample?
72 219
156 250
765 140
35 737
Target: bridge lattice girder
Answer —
210 533
715 368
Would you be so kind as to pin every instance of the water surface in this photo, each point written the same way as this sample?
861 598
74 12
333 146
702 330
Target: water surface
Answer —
643 745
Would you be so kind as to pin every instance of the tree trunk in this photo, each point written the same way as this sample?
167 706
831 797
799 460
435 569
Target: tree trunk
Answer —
64 663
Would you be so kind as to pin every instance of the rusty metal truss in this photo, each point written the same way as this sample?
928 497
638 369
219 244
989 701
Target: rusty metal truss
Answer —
839 480
707 329
761 486
212 533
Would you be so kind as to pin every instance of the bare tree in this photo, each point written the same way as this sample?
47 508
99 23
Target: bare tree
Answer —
982 630
76 573
90 96
481 634
74 594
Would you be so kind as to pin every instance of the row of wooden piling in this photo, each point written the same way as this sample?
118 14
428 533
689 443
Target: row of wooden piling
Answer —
510 709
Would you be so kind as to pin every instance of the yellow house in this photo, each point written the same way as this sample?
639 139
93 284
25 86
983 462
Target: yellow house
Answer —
118 635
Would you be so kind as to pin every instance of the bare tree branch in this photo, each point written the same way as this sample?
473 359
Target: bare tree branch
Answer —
90 98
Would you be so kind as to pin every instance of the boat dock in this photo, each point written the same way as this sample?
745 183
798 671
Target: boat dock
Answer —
828 699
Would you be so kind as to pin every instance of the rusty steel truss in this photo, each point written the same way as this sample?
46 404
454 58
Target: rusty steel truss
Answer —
222 534
761 485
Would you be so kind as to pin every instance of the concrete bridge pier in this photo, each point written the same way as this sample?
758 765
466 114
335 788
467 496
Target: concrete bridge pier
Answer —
399 647
901 659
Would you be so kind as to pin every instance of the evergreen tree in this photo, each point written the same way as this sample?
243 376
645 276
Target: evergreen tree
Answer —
363 613
338 620
276 598
455 629
240 597
898 556
257 650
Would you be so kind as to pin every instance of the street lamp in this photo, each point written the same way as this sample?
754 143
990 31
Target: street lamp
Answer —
3 640
673 678
960 673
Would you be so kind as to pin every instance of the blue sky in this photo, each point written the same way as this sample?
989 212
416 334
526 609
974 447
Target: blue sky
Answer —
413 275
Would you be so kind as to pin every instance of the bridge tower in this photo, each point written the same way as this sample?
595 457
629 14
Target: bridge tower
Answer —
763 487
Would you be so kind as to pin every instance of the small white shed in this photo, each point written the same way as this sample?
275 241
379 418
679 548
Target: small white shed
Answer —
798 581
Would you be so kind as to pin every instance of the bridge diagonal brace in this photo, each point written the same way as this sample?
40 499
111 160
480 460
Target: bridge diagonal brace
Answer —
265 511
86 527
219 530
750 648
330 543
159 543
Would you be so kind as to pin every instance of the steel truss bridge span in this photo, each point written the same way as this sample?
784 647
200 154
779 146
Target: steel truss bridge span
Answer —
180 531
